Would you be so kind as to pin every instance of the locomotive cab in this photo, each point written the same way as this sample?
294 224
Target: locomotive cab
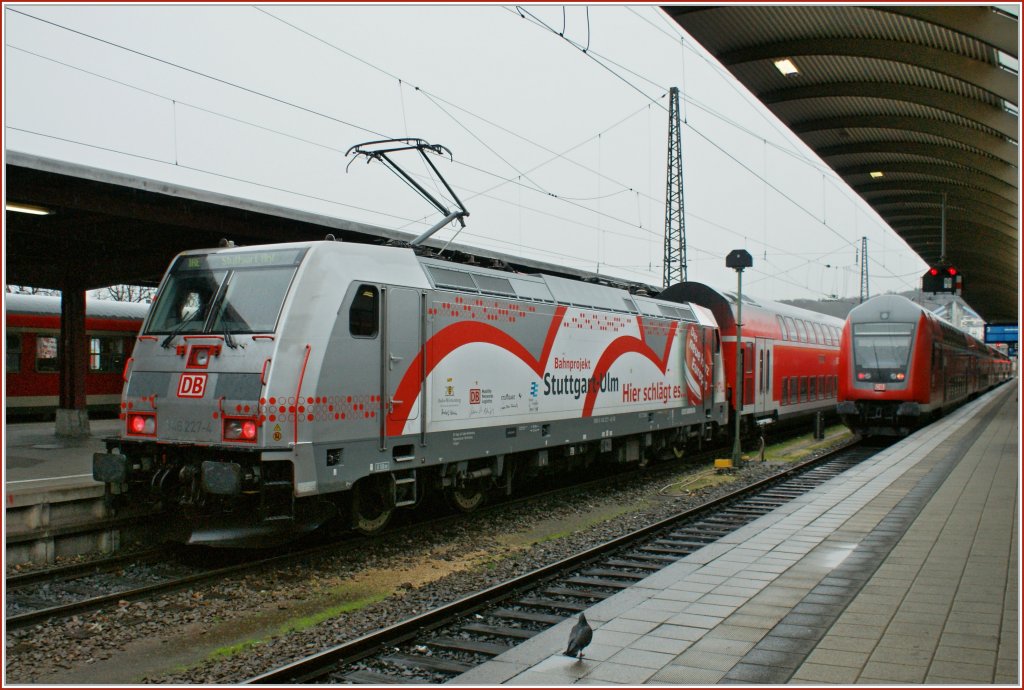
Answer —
195 422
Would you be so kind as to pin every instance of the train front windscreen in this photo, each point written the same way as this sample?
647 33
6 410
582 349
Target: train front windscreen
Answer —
227 293
881 351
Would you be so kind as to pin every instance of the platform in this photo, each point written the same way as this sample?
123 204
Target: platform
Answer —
36 460
903 570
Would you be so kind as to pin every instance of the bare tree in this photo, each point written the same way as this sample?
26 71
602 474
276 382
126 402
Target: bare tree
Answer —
127 293
26 290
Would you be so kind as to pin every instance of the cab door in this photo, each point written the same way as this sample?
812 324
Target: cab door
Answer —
403 337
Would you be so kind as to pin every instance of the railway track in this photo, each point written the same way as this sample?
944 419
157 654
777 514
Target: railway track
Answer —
445 642
61 592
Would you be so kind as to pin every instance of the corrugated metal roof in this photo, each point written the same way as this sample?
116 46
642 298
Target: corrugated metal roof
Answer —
916 88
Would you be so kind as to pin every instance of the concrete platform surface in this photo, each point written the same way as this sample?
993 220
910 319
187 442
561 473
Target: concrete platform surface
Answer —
37 460
903 570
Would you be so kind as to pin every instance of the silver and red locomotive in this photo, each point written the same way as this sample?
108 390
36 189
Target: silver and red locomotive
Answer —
900 366
273 387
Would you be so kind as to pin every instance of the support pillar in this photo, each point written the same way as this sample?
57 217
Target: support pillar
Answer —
73 357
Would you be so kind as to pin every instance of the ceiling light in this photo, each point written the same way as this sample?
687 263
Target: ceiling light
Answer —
28 208
876 174
786 66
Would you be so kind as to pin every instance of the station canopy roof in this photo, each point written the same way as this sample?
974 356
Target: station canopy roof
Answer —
905 103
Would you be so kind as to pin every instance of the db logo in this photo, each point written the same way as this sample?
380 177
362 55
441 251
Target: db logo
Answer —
474 396
192 386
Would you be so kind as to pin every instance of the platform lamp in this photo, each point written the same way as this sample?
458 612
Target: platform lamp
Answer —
738 259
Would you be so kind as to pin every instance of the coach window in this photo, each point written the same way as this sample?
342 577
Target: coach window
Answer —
791 328
364 314
106 354
784 395
13 353
818 337
803 389
801 331
782 328
813 389
46 353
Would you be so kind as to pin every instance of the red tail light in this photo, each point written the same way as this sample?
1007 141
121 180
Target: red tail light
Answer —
141 424
239 429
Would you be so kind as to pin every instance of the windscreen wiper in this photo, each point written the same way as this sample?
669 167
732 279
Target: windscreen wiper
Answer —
179 328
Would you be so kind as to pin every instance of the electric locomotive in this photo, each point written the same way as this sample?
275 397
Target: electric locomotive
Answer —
901 366
275 387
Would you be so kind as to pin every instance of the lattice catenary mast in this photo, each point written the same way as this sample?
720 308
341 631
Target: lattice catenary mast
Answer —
864 293
674 264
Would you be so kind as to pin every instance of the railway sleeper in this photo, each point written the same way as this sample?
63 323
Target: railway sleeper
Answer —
546 618
653 558
471 646
677 552
609 572
552 604
629 562
696 537
427 663
374 678
598 582
581 593
500 631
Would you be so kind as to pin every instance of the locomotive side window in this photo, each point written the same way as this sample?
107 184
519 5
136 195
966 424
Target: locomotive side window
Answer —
13 353
46 353
364 314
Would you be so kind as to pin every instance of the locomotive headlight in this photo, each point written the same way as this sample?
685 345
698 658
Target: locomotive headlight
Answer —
141 424
239 429
900 376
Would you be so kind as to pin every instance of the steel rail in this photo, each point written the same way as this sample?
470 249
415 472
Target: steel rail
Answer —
315 665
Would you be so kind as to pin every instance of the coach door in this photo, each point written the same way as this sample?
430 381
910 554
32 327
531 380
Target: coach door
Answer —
403 322
763 376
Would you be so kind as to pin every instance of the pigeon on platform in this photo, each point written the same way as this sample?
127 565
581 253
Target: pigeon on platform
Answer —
580 637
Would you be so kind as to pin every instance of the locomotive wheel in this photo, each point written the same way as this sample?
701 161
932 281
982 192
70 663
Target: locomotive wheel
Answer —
371 509
466 498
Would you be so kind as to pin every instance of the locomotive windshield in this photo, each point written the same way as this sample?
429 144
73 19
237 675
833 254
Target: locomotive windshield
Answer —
229 293
881 351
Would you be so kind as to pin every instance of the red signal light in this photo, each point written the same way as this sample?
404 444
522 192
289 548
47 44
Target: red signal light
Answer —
934 271
951 271
249 430
141 424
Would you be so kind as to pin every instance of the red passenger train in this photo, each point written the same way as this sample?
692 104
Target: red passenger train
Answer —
790 355
32 325
901 366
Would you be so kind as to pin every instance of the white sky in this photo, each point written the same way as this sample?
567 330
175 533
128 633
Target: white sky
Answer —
559 155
